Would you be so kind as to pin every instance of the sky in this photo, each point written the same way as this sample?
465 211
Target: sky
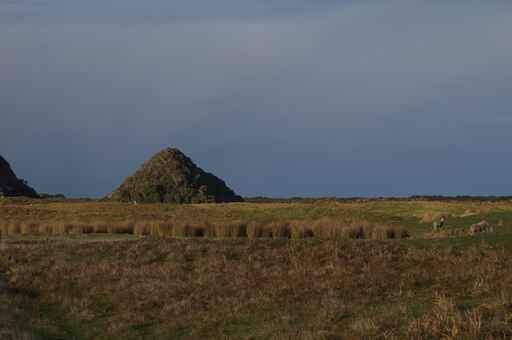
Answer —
279 98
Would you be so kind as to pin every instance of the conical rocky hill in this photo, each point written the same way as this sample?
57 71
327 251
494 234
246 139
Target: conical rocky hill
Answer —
172 177
10 185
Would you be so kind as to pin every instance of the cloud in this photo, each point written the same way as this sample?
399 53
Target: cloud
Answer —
155 11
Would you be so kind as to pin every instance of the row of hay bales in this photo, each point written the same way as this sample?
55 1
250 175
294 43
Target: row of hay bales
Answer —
324 228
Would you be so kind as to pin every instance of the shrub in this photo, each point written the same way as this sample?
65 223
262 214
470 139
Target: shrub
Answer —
122 228
240 229
267 231
14 228
209 230
183 229
87 228
63 227
404 233
308 233
356 233
29 228
297 230
325 228
377 233
234 229
255 230
100 227
390 233
141 229
280 229
153 228
199 231
46 229
165 229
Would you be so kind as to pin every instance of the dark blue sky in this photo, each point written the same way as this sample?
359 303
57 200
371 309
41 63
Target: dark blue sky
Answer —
279 98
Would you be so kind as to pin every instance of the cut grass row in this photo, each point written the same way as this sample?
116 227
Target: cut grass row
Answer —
417 216
323 228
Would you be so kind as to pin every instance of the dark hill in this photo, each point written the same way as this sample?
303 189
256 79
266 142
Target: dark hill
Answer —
10 185
172 177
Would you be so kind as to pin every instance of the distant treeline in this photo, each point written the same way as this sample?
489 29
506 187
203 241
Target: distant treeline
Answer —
52 196
262 199
461 198
466 198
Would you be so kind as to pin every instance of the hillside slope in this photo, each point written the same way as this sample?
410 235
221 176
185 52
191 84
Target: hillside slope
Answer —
10 185
171 177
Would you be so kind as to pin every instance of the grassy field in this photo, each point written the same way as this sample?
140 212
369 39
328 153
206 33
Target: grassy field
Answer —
98 270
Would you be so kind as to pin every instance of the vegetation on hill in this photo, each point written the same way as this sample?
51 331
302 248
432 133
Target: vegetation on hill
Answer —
10 185
172 177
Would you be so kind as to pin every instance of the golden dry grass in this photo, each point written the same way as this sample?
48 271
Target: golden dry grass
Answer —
325 228
320 270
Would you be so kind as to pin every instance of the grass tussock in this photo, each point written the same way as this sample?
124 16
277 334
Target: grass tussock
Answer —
450 321
255 230
234 229
324 228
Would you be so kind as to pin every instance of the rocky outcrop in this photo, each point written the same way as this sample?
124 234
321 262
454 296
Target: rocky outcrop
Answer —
10 185
172 177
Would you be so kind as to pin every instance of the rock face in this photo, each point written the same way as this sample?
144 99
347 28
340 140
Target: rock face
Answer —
172 177
10 185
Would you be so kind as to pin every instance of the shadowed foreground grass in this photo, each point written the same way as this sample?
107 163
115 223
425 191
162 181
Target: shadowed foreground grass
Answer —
260 289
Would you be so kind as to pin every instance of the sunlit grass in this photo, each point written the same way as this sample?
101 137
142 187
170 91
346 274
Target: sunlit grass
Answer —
316 270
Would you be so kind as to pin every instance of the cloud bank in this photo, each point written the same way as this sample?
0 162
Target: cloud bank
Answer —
309 98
